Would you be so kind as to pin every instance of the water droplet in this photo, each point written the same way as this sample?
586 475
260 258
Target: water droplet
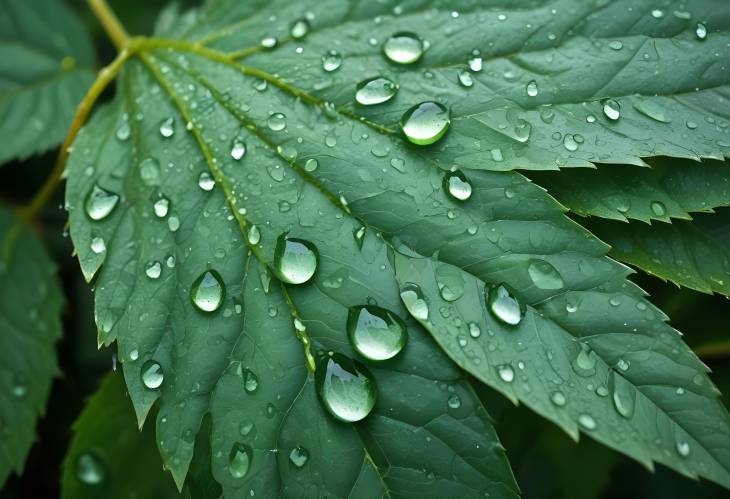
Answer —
412 298
134 355
403 48
153 269
544 275
570 143
100 203
375 333
465 78
277 122
149 171
173 223
311 165
425 123
623 365
474 330
587 421
475 61
167 127
457 185
206 181
98 245
532 89
254 235
299 29
682 448
250 381
558 399
506 373
123 131
658 208
616 45
584 363
701 31
269 42
454 401
331 60
239 460
612 109
657 13
295 260
375 91
90 469
345 387
152 375
238 149
450 282
623 394
652 110
299 456
504 306
161 207
208 291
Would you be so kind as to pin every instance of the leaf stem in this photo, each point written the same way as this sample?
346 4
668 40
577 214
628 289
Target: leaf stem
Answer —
114 29
106 76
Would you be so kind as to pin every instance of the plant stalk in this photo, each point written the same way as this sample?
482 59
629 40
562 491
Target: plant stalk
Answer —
114 29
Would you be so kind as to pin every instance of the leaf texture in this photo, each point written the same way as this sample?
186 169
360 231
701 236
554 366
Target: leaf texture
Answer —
30 324
47 59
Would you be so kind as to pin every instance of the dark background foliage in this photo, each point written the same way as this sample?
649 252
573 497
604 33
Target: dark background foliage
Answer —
546 462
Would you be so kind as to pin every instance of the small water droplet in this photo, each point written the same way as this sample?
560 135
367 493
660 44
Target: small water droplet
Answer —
238 149
277 122
657 13
295 260
465 78
161 207
98 245
100 203
506 373
413 299
239 460
701 31
504 305
299 29
558 398
208 291
124 131
167 127
623 395
90 469
425 123
311 165
532 89
152 375
299 456
587 421
658 209
403 48
616 45
457 185
269 42
345 387
544 275
134 355
376 333
570 143
331 60
683 448
206 181
584 363
153 270
611 109
375 91
254 235
454 401
474 330
250 381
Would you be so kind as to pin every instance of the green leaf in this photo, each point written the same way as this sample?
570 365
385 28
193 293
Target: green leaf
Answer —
108 456
671 188
47 59
30 324
694 254
224 159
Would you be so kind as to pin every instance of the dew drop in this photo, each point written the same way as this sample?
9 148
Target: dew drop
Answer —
250 381
239 460
100 203
474 330
299 456
701 31
683 448
90 469
295 260
544 275
611 109
276 122
345 387
149 171
403 48
375 333
206 181
587 421
413 299
506 373
465 78
331 60
299 29
623 395
311 165
254 235
153 270
375 91
558 399
161 207
98 245
503 305
454 401
167 127
532 89
208 291
238 149
425 123
457 185
152 375
658 209
616 45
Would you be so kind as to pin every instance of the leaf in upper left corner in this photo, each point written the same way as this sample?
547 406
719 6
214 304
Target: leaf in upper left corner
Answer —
30 308
46 55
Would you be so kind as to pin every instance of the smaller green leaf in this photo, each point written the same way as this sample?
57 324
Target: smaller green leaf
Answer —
46 55
671 188
30 309
109 457
693 254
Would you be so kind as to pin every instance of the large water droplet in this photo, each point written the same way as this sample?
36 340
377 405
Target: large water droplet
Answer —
375 333
161 207
331 60
299 456
345 387
612 109
299 29
239 460
208 291
238 149
100 203
153 270
584 363
504 305
506 373
701 31
206 181
375 91
623 394
295 260
90 469
277 122
403 48
544 275
465 78
587 421
457 185
152 375
658 209
425 123
413 299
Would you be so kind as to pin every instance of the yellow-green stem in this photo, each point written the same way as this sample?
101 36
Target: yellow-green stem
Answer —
114 29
